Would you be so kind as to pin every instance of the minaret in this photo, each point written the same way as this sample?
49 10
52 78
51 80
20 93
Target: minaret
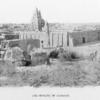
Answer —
37 21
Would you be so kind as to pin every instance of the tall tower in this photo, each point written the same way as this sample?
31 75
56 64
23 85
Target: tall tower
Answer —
37 21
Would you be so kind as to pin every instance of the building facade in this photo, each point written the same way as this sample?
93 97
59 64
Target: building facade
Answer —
84 37
46 37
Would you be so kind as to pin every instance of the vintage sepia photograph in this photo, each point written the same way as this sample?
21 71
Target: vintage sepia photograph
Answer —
50 43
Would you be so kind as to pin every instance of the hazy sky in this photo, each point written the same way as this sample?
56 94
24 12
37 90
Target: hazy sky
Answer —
67 11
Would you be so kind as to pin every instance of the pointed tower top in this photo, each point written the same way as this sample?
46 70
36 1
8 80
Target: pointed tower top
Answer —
37 21
35 10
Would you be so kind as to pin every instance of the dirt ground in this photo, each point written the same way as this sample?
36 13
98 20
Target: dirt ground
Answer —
61 74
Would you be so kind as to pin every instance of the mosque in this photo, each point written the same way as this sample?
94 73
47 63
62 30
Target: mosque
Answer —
44 36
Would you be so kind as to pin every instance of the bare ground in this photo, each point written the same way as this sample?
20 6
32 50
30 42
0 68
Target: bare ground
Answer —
78 73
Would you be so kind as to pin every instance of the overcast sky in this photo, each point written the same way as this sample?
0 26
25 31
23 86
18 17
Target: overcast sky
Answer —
67 11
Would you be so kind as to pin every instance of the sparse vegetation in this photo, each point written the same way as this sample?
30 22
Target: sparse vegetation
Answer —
69 56
66 70
78 73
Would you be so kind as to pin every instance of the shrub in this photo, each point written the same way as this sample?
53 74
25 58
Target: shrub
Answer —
14 53
69 56
17 53
54 54
7 68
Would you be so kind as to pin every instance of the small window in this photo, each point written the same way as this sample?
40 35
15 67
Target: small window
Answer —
83 40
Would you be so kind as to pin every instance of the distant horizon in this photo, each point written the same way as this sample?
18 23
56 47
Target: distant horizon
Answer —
52 23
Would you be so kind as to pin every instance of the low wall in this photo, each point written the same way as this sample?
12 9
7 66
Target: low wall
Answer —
86 49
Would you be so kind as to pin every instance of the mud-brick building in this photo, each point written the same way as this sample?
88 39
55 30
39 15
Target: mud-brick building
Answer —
83 37
72 39
40 39
44 36
60 38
